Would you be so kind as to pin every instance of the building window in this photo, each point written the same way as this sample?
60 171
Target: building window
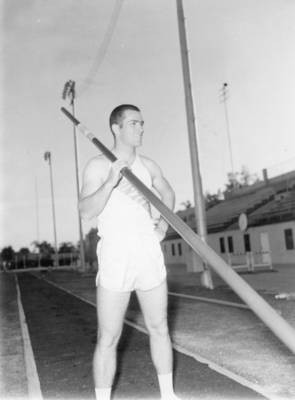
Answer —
289 241
179 249
222 245
247 243
230 244
173 249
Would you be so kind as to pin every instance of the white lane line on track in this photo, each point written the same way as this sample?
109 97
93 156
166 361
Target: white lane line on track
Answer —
34 388
212 365
36 269
208 300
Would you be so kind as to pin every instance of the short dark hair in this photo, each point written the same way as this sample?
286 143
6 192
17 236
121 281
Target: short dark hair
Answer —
117 114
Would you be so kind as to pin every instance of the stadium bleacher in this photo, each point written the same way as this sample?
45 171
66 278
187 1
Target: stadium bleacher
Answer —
281 208
226 213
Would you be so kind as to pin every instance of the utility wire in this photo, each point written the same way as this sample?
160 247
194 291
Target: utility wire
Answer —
102 50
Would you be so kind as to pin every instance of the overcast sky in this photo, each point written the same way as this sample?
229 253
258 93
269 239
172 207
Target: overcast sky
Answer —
248 44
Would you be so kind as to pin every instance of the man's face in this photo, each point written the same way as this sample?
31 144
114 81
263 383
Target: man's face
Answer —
131 128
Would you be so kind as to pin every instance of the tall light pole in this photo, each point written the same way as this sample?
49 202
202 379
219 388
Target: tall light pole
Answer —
37 209
224 94
37 216
200 213
70 93
47 157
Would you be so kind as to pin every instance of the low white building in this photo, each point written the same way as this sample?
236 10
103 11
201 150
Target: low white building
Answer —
269 207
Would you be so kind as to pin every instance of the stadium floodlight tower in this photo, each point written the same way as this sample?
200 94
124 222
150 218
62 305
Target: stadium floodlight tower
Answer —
225 95
69 92
47 157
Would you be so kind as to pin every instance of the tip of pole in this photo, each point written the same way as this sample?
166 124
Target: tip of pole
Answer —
70 116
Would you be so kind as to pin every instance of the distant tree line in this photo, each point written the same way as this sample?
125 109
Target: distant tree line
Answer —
43 253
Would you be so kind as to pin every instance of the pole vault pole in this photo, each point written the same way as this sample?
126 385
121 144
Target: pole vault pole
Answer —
200 214
259 306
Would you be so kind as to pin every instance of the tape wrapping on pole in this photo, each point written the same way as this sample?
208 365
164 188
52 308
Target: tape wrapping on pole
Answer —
281 328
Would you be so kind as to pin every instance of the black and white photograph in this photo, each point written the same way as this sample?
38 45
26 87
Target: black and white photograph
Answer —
147 200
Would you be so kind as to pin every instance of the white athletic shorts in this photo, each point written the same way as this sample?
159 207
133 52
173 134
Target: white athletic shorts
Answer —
130 262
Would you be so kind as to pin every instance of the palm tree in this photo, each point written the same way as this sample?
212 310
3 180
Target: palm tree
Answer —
45 251
24 253
44 248
68 253
67 247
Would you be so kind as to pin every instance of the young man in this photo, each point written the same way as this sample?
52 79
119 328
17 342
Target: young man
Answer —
129 252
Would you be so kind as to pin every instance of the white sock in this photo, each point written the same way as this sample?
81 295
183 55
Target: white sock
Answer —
103 393
166 385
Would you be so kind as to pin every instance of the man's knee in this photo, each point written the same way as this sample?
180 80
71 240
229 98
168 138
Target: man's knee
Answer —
107 341
158 328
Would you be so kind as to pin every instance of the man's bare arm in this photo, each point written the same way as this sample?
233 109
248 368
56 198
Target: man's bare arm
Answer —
98 183
164 189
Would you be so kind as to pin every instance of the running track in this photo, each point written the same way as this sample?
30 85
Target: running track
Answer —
63 334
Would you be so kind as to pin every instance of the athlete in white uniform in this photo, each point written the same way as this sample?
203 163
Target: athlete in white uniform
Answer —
129 252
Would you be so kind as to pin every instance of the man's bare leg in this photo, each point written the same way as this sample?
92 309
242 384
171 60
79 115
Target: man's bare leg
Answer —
111 308
154 307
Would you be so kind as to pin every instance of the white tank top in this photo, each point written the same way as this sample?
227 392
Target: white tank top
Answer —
127 211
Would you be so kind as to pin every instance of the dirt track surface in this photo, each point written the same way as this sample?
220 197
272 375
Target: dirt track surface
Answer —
63 335
233 339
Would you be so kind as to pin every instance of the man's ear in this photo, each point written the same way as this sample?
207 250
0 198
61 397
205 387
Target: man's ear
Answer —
116 130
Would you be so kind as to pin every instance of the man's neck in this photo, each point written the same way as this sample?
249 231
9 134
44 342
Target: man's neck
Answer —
127 154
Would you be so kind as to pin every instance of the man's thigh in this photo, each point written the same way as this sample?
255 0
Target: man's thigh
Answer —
111 309
153 303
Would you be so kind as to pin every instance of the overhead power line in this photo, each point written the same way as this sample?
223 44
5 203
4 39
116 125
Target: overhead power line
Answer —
103 48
